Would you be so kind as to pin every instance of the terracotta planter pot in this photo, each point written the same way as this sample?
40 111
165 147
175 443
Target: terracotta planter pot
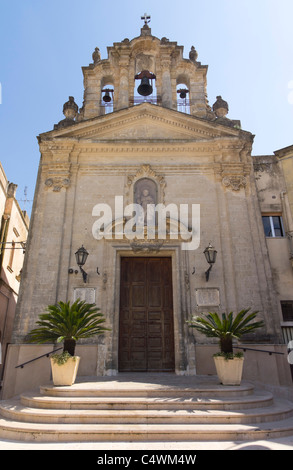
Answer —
65 374
229 371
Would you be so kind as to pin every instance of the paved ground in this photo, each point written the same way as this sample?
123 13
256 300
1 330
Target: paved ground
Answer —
277 444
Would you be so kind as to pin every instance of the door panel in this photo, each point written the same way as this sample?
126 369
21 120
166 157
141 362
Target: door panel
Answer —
146 333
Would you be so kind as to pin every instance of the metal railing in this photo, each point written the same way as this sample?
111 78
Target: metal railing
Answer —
234 347
153 99
21 366
258 350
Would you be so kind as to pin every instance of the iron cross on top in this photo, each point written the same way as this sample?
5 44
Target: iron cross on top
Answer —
146 18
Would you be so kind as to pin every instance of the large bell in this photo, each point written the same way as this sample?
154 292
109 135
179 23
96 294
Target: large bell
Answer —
107 98
182 93
145 89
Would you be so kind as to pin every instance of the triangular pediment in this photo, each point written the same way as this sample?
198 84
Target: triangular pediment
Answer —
145 122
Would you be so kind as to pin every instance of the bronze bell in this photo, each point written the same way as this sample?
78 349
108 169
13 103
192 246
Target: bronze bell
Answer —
145 89
183 93
107 98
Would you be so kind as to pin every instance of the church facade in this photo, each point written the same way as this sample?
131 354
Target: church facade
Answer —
145 181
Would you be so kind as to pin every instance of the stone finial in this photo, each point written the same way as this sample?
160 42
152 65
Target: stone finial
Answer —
96 55
193 55
221 107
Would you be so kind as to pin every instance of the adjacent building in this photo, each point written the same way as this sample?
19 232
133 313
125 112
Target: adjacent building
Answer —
14 227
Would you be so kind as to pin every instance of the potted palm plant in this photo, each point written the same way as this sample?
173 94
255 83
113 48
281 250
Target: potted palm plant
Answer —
229 366
68 323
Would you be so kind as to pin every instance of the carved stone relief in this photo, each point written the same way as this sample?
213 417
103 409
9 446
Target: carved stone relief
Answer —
146 246
144 62
56 183
234 182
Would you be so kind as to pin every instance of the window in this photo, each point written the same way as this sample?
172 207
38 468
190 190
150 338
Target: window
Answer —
273 226
287 310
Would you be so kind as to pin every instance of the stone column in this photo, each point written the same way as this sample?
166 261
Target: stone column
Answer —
123 93
92 96
166 83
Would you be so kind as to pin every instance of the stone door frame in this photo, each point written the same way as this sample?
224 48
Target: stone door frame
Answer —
180 329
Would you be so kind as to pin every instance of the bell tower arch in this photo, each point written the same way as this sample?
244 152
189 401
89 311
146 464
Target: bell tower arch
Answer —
145 68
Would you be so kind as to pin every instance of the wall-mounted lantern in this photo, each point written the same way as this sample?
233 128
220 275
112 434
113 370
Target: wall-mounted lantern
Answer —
81 257
211 255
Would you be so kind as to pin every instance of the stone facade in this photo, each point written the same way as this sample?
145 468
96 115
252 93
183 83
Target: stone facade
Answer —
197 157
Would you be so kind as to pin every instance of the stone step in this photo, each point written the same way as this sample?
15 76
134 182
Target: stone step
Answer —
14 410
144 408
39 432
117 389
37 400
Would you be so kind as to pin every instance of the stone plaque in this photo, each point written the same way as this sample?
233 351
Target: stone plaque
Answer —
207 297
85 293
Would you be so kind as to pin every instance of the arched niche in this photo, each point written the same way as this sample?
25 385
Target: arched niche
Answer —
107 95
145 191
148 178
148 75
146 194
183 94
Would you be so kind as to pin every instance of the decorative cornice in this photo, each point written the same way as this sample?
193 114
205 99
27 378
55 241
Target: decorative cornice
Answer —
121 170
149 146
154 148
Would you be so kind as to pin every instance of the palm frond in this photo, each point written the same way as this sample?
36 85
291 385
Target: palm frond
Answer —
226 326
68 321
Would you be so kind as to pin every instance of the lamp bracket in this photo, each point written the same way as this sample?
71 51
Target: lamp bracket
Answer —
84 274
208 272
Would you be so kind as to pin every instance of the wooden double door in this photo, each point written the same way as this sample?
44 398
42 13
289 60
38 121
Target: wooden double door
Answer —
146 330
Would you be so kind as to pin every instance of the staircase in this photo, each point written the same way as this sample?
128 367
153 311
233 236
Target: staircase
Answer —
145 407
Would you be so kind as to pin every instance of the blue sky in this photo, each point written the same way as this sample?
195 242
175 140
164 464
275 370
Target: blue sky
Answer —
247 44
